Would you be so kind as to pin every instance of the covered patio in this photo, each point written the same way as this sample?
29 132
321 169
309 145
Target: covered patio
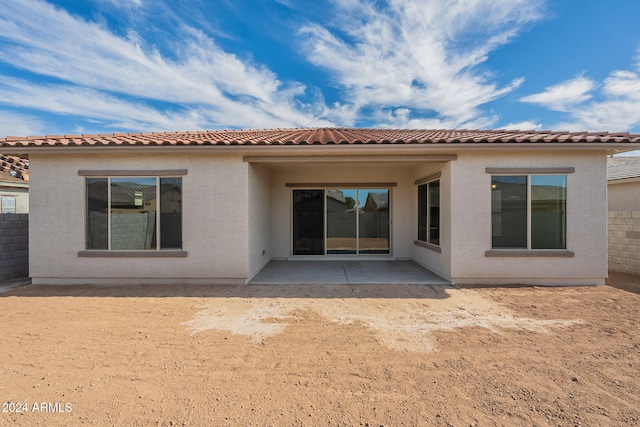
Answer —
282 272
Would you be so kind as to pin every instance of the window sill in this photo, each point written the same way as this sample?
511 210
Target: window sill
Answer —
97 253
429 246
550 253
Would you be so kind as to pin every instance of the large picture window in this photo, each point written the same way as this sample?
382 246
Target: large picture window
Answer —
429 212
134 213
529 211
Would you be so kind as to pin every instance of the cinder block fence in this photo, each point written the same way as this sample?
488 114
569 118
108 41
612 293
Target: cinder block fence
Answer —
624 241
14 246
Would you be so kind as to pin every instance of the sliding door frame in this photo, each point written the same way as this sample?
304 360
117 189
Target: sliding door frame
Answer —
357 187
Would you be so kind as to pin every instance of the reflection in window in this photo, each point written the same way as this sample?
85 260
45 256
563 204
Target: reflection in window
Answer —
509 211
170 213
342 229
434 212
357 221
122 213
97 213
308 222
548 212
429 212
133 213
509 207
373 221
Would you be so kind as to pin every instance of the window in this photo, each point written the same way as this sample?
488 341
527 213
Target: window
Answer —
529 211
134 213
8 204
429 212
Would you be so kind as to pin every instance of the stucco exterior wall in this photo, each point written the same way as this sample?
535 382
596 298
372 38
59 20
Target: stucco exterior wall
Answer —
214 217
402 195
439 263
237 216
624 196
471 221
259 217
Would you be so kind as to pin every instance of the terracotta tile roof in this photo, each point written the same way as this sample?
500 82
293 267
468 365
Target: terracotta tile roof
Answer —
623 167
8 178
328 136
13 169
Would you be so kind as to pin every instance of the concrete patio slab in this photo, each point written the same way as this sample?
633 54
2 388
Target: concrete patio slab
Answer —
346 272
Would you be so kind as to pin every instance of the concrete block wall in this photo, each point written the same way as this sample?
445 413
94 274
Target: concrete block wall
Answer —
14 246
624 241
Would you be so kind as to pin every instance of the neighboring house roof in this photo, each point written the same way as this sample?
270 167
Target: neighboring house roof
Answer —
331 136
13 169
123 193
336 195
623 167
5 177
381 200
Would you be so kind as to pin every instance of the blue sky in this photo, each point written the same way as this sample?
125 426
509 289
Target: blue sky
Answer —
104 66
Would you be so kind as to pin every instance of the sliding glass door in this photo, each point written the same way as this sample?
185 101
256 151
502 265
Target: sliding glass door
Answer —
346 221
373 221
342 231
308 222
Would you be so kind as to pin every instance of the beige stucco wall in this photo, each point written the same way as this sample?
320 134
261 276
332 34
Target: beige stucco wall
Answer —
21 194
624 195
233 211
259 217
215 216
402 203
586 221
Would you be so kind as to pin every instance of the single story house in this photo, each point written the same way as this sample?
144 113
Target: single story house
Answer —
623 184
473 206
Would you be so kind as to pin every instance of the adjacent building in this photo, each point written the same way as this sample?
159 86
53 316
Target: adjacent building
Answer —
623 183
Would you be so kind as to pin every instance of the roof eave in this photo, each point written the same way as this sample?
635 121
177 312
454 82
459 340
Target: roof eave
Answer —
14 184
623 180
439 148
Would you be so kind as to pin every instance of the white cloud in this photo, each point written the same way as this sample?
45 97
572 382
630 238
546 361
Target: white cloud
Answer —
525 125
419 55
623 84
123 4
15 124
78 101
402 118
104 72
563 96
614 107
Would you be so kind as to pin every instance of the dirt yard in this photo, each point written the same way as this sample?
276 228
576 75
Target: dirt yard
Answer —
321 355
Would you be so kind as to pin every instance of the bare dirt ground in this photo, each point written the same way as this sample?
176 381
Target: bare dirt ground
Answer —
321 355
